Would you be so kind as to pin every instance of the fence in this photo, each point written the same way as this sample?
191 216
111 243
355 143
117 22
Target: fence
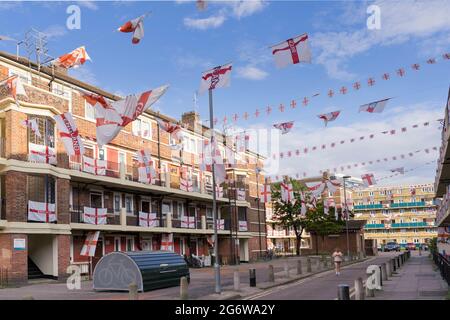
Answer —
444 266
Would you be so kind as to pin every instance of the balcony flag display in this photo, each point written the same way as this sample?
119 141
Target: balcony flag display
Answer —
292 51
94 166
14 86
327 117
146 171
265 196
220 224
167 242
72 59
287 192
374 107
41 211
136 26
148 219
33 125
188 222
186 184
218 77
243 226
95 216
90 244
68 133
41 154
174 130
368 179
284 127
219 191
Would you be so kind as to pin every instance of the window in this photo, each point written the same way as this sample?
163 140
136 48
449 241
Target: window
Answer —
382 192
146 130
117 244
89 112
242 214
370 193
101 154
46 129
96 200
209 213
122 158
180 210
117 202
129 203
136 127
41 189
59 89
166 208
130 244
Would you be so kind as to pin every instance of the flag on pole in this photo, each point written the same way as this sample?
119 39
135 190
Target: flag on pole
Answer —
90 244
368 179
136 26
218 77
68 133
329 116
33 125
374 107
292 51
72 59
14 86
284 127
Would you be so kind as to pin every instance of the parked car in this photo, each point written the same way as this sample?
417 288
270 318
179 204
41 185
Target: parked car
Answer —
410 246
391 246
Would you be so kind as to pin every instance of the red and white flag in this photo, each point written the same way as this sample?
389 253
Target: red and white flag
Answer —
174 130
147 173
68 133
94 215
94 166
41 211
374 107
136 26
292 51
284 127
412 191
287 192
243 226
33 125
72 59
303 209
218 77
219 191
90 244
400 170
148 219
188 222
329 116
368 179
220 224
201 5
41 154
230 156
242 142
265 194
14 86
186 184
167 242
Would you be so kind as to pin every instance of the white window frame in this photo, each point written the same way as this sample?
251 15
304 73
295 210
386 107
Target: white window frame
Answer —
128 238
120 244
114 202
87 107
132 204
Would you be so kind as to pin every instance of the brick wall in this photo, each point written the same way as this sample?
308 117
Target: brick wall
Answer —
63 193
14 260
16 196
327 244
63 256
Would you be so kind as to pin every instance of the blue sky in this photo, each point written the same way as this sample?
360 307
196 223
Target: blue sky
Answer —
180 42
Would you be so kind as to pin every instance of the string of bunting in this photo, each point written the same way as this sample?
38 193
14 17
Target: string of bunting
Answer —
343 90
405 171
362 164
305 150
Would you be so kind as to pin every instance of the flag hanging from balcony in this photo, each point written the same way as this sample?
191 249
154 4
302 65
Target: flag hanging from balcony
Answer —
148 219
265 194
167 242
72 59
242 141
136 26
94 166
243 226
14 86
147 173
218 77
220 224
186 184
41 211
292 51
374 107
220 173
95 216
284 127
68 133
33 125
41 154
219 191
188 222
303 204
327 117
287 192
90 244
368 179
174 130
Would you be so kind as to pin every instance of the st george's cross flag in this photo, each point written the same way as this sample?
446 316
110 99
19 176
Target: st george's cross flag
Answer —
90 244
174 130
284 127
136 26
265 194
400 170
33 125
287 192
41 211
368 179
327 117
218 77
72 59
14 86
242 141
148 219
68 133
147 173
374 107
292 51
95 216
94 166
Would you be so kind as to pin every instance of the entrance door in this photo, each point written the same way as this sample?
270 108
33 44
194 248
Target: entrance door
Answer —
98 254
193 246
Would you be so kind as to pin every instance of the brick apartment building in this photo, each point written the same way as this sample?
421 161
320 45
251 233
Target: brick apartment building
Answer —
183 217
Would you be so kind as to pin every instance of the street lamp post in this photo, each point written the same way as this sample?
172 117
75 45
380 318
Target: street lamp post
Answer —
346 216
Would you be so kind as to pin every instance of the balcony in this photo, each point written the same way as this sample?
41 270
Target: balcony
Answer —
443 165
410 225
374 226
408 204
368 206
76 216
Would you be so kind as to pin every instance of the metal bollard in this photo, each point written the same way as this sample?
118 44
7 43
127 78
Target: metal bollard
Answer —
299 266
384 276
184 288
343 292
133 291
388 269
252 273
236 280
359 289
420 251
394 265
381 276
308 265
271 274
286 269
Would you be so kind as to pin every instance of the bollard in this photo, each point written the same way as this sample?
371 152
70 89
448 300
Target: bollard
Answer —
420 251
370 293
361 255
388 269
133 291
184 288
325 263
271 274
397 259
343 292
286 269
359 289
252 273
299 266
236 280
384 272
394 265
381 276
308 265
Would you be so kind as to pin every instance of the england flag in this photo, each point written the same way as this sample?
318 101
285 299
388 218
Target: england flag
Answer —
68 133
136 26
218 77
72 59
327 117
33 125
292 51
284 127
368 179
374 107
14 86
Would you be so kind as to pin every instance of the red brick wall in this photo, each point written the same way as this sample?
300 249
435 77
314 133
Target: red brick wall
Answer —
63 193
327 244
63 255
14 260
16 196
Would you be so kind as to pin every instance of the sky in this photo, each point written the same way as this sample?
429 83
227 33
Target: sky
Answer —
181 42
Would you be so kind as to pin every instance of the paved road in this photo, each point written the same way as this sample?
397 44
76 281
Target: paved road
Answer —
322 286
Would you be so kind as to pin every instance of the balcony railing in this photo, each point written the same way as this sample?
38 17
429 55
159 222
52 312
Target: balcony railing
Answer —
408 204
374 226
368 206
76 216
409 225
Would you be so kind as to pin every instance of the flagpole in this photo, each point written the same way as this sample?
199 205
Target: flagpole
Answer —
159 156
216 238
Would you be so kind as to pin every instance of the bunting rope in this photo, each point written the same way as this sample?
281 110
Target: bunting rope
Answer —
343 90
405 171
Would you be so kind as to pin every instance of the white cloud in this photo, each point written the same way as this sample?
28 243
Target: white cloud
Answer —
185 60
55 31
247 8
88 4
84 74
205 23
251 73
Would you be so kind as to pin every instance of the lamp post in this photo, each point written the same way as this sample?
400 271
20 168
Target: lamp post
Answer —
346 215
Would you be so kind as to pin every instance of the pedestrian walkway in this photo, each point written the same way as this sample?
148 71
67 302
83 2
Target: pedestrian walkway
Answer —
417 279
